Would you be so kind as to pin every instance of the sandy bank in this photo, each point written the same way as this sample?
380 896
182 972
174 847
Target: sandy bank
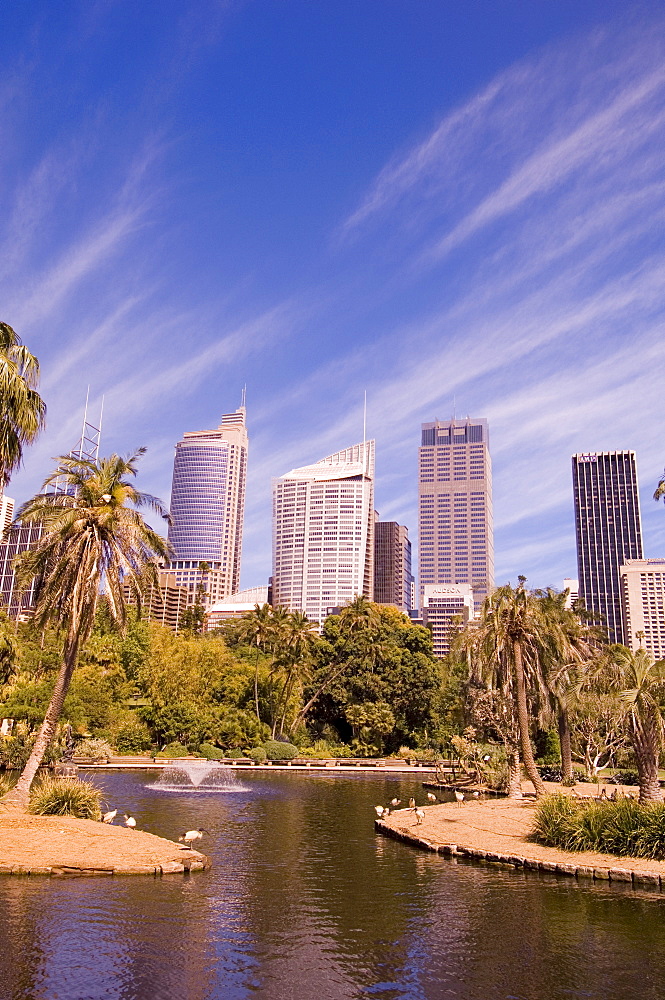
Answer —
497 830
63 845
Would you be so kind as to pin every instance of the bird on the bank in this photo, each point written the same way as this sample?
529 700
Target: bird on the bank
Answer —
395 802
431 797
459 798
379 810
420 816
476 795
109 816
130 822
191 836
412 803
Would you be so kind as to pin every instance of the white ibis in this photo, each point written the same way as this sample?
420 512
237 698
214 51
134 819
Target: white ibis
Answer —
109 816
379 810
130 822
476 795
395 802
191 836
420 816
459 798
412 803
431 797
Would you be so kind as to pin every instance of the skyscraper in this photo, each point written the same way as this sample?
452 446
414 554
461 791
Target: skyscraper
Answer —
392 565
456 529
643 605
323 532
207 508
608 530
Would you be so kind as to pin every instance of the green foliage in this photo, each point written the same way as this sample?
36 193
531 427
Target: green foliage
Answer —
211 752
94 749
66 797
257 754
15 749
280 751
550 748
132 737
173 750
7 782
322 749
623 828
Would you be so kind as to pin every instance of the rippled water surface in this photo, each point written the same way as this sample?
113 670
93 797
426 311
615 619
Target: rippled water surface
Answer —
304 901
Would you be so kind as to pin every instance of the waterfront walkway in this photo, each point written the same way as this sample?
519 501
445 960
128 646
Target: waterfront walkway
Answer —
497 831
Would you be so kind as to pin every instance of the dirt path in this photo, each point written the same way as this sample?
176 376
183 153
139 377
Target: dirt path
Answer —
65 845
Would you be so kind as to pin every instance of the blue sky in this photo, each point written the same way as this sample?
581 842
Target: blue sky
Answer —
451 204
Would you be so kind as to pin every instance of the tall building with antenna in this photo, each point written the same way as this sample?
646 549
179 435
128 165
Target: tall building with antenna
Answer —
21 537
323 532
456 528
208 506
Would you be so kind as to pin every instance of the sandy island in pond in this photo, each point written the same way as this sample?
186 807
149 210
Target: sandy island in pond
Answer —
502 827
63 845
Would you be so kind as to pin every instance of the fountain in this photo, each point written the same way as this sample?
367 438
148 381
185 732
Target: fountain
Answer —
198 776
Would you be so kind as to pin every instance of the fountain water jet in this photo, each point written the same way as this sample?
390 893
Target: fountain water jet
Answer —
199 776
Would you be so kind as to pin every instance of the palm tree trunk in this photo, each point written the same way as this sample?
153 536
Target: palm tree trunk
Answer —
333 675
566 753
523 722
514 788
17 799
256 685
647 758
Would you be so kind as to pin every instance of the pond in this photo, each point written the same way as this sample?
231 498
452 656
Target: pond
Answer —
305 901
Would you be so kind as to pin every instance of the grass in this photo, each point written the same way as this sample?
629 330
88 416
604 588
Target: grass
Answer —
624 828
66 797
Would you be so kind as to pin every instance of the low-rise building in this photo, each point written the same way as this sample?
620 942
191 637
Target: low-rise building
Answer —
446 607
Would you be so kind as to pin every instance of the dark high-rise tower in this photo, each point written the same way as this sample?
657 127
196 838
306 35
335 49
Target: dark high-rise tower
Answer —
607 525
392 565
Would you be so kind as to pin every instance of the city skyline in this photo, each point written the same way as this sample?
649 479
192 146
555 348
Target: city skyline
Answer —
480 237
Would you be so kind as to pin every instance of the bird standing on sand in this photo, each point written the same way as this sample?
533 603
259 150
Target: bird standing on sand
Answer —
130 822
109 816
191 836
459 798
431 797
412 803
420 816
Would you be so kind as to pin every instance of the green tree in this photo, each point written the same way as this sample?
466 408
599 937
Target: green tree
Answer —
92 537
640 683
507 642
22 410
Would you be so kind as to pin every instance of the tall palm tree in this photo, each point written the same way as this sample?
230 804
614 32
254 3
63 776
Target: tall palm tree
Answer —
257 628
509 637
22 410
660 489
570 645
640 682
298 642
92 539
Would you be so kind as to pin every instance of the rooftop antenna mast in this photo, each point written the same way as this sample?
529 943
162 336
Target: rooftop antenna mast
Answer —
365 435
243 397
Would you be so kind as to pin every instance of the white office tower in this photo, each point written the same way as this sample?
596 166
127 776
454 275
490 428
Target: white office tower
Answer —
6 513
643 605
445 609
207 508
323 533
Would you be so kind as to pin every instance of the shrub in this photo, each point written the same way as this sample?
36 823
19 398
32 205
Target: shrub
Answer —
211 752
257 754
275 750
173 750
622 828
7 782
323 749
627 777
94 750
132 738
66 797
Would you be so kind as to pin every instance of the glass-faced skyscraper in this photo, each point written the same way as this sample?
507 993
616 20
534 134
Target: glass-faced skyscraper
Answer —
456 528
207 507
323 532
608 530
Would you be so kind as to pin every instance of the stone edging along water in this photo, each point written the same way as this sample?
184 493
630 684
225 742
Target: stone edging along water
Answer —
514 861
70 871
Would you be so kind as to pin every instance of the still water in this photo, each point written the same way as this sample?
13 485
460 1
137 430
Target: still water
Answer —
305 901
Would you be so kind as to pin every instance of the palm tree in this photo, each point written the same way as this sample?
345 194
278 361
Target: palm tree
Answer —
92 539
640 682
298 642
258 628
660 489
570 645
509 639
22 410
